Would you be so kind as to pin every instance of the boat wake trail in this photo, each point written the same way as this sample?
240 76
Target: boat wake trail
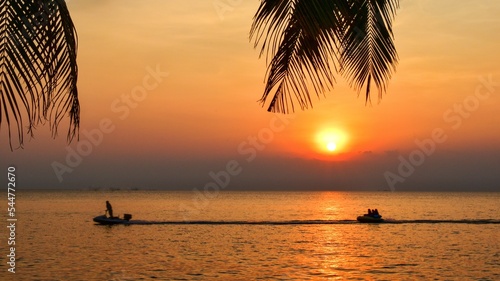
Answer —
305 222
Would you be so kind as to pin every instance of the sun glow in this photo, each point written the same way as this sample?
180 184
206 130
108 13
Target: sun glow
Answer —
331 141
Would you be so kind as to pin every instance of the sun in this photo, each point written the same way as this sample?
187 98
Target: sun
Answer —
331 146
331 141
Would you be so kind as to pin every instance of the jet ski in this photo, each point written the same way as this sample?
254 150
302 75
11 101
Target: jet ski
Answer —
370 219
112 220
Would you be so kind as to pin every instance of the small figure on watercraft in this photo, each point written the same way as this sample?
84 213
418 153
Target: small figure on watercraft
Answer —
109 209
373 213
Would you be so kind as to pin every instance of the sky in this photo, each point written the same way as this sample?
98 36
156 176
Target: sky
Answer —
169 89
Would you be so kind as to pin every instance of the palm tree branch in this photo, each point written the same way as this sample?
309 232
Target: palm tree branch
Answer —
368 51
301 37
38 71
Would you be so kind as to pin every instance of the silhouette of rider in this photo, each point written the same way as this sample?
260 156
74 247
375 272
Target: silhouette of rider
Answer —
109 209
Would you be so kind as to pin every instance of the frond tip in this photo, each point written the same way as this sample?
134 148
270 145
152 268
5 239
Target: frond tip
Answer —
38 70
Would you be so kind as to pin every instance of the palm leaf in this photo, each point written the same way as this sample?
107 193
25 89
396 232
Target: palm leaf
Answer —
304 38
368 51
38 70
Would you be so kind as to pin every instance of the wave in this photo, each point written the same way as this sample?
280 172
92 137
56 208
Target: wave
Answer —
305 222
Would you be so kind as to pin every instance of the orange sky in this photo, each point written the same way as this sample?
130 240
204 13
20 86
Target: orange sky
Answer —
204 112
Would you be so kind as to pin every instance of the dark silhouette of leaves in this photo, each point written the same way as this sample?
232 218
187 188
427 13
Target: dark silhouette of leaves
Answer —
38 70
306 39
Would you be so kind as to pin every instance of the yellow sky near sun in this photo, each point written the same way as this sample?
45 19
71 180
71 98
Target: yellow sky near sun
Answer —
207 105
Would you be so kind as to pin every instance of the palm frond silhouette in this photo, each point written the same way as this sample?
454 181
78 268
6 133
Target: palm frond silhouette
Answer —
305 39
38 69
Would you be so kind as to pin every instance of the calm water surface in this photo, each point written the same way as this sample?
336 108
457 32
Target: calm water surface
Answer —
57 239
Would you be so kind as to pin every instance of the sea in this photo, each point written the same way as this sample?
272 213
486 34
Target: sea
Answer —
233 235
